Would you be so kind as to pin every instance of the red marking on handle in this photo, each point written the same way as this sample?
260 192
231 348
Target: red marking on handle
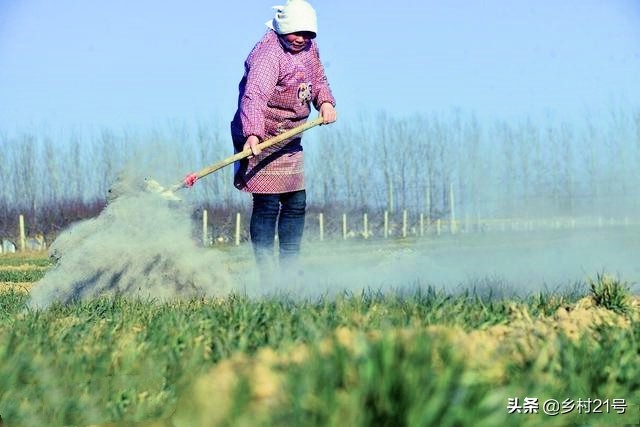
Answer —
190 179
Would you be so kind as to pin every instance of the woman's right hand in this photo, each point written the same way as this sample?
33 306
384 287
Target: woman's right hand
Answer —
252 142
328 113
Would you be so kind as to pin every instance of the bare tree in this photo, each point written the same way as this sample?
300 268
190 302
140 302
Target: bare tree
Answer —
28 170
6 171
51 190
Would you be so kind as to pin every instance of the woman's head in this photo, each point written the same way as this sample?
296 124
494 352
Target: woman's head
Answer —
298 41
296 17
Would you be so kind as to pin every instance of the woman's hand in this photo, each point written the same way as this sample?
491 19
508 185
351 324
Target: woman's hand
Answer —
252 142
328 113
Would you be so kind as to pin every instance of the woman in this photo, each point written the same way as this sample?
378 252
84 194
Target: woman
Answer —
283 78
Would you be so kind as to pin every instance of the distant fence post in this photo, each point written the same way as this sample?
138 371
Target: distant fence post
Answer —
365 220
344 226
205 231
428 202
386 224
452 223
23 238
404 224
321 224
238 229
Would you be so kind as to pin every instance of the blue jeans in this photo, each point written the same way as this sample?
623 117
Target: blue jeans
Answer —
287 210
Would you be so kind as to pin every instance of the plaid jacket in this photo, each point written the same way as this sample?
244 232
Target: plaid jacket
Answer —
275 95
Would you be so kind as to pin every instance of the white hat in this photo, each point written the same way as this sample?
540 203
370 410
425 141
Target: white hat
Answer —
295 16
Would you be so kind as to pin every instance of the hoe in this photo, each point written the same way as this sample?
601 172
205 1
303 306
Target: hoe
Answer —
188 181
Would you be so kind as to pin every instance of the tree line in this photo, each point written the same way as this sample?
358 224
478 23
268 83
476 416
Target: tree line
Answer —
505 168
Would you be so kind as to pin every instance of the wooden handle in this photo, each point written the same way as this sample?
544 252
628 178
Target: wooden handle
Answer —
246 153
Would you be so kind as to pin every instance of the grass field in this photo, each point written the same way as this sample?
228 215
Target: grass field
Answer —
414 358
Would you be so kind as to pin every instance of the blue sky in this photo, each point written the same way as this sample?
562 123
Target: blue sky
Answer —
69 63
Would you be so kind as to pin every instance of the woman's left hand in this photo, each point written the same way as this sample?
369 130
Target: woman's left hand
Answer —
328 113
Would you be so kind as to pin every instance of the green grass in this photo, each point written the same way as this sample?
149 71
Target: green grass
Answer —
38 259
119 359
21 276
610 292
20 268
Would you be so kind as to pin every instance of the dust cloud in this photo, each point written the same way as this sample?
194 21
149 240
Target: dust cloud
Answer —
497 264
141 245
